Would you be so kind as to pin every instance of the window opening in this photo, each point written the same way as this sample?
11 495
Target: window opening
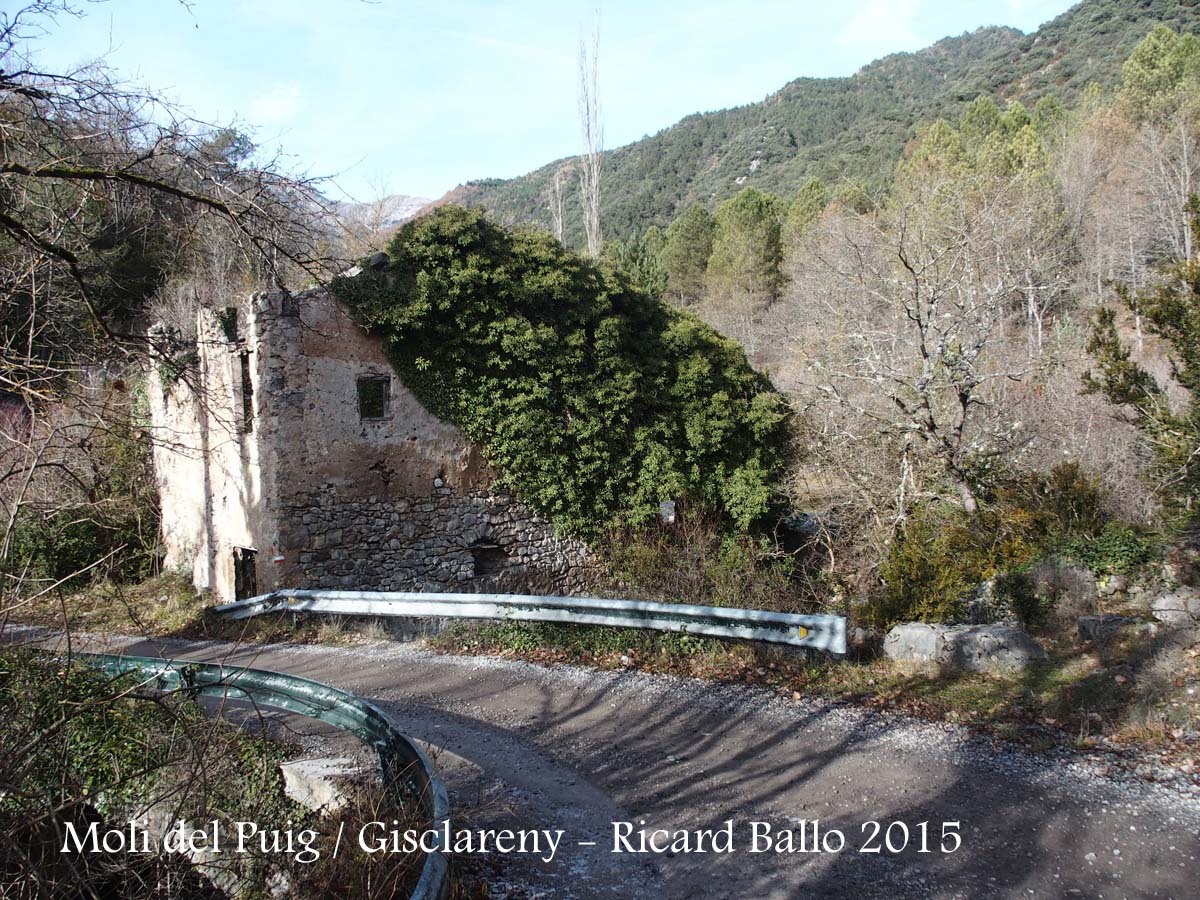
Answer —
373 397
247 395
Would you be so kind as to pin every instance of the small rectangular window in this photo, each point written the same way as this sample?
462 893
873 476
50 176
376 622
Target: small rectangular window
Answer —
373 397
227 318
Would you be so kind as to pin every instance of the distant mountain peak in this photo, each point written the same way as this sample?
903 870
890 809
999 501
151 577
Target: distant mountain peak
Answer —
388 212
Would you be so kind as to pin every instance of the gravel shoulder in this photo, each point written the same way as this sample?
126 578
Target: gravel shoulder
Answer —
530 746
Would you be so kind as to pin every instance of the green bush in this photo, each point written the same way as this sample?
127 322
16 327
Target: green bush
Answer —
1066 499
1171 311
1116 550
932 564
61 545
100 743
593 400
105 741
942 554
696 562
1015 591
80 746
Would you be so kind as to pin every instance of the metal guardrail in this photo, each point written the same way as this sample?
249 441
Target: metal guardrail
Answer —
818 632
405 768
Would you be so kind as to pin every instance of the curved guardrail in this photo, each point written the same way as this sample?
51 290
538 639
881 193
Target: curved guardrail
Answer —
405 768
818 632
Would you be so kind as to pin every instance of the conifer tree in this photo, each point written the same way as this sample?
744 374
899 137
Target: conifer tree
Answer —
685 254
747 253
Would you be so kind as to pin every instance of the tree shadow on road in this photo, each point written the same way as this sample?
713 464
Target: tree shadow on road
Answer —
684 754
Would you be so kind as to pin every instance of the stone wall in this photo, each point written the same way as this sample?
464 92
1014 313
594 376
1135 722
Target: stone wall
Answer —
214 477
483 541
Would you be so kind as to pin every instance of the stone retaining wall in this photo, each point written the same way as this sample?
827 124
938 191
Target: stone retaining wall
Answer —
481 541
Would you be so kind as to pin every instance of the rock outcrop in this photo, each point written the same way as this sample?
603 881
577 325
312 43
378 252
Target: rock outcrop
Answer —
974 648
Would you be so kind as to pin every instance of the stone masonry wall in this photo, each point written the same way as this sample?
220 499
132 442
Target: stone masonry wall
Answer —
286 466
482 541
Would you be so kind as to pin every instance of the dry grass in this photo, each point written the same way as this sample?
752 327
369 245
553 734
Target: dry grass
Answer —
353 872
168 606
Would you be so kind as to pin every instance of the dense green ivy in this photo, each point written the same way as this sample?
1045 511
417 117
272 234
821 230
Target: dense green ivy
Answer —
592 399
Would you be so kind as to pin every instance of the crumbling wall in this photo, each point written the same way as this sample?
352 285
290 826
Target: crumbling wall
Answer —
179 469
399 502
213 479
326 496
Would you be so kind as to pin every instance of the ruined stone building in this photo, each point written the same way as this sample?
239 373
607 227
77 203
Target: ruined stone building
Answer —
288 454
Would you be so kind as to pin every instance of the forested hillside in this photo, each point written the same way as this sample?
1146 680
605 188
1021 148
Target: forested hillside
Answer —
840 130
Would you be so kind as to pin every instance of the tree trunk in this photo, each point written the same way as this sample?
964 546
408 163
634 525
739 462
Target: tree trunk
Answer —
593 139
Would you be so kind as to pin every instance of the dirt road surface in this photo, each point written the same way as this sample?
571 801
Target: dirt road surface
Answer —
535 747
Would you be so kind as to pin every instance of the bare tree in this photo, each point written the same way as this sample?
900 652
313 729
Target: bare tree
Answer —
109 195
1167 158
556 201
81 152
113 207
365 226
593 137
917 363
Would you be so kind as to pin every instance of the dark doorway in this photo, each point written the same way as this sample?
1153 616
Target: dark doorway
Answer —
245 581
489 558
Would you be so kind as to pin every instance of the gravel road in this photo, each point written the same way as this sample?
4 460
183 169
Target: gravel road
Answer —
535 747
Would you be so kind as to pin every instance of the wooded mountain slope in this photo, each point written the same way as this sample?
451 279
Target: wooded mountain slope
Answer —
840 128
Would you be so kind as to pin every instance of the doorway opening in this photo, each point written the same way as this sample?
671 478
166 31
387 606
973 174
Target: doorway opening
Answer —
245 580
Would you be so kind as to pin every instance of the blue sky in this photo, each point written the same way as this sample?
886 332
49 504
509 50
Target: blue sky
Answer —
415 98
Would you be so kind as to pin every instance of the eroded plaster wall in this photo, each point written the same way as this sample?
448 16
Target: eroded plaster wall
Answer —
213 477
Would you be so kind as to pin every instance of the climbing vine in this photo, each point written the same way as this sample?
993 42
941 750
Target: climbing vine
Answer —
593 400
